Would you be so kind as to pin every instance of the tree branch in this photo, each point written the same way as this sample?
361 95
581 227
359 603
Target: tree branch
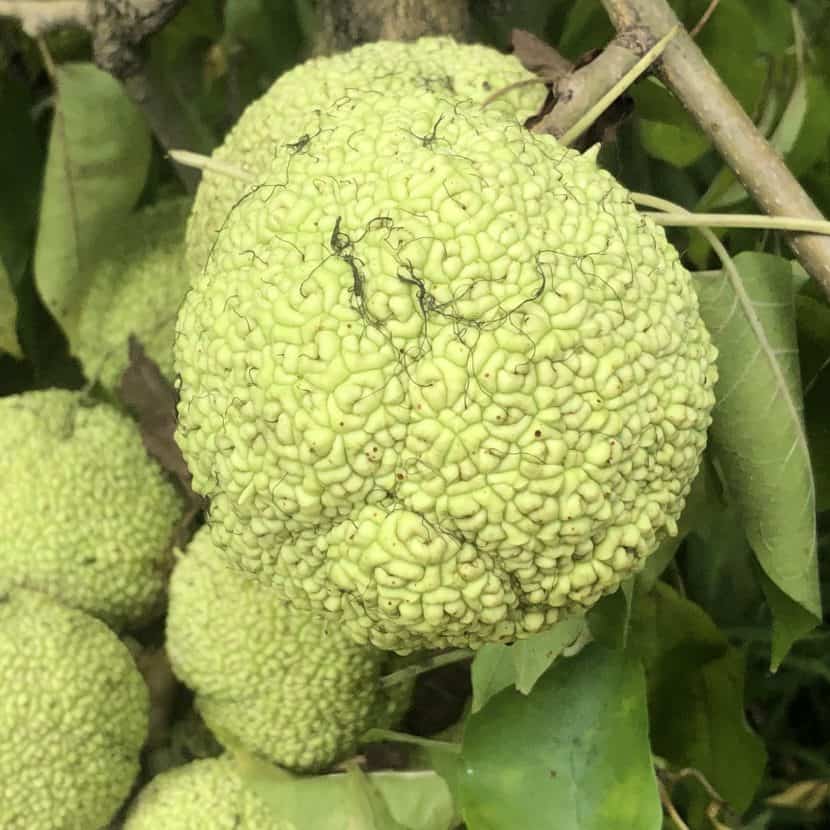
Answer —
119 29
347 23
766 177
579 90
37 17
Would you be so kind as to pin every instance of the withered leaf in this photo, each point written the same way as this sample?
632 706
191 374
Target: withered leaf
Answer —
153 399
539 57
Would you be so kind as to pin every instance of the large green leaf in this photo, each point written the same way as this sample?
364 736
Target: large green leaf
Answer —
99 151
187 67
378 801
8 315
573 753
498 666
21 159
814 353
719 569
696 694
758 433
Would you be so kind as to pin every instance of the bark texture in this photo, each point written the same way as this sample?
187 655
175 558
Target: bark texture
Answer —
348 23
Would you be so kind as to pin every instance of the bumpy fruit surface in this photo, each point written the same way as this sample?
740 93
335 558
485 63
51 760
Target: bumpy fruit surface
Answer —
73 716
287 115
136 289
439 377
271 680
202 795
85 515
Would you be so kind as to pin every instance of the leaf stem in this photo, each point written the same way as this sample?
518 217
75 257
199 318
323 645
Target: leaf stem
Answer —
406 738
436 661
741 220
676 216
199 161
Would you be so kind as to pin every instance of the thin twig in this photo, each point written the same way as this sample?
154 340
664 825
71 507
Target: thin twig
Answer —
670 809
504 90
730 220
685 70
199 161
710 10
430 663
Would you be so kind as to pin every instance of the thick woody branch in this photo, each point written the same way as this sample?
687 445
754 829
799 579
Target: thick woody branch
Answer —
120 27
580 89
685 70
37 17
347 23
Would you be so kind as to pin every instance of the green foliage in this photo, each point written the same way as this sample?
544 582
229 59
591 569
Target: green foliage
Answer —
758 434
416 800
667 683
497 666
695 694
99 149
574 750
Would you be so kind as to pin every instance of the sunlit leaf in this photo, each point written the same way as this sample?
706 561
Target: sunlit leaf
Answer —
758 433
99 150
521 664
352 800
575 751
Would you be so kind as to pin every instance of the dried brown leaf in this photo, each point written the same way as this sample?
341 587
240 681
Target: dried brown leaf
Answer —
539 57
153 399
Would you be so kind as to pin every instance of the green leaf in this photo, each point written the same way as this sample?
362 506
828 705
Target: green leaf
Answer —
8 315
814 353
725 190
574 751
186 64
696 694
492 671
758 434
21 159
370 804
676 144
354 800
99 151
608 619
719 568
586 26
666 129
269 31
810 144
792 621
495 667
